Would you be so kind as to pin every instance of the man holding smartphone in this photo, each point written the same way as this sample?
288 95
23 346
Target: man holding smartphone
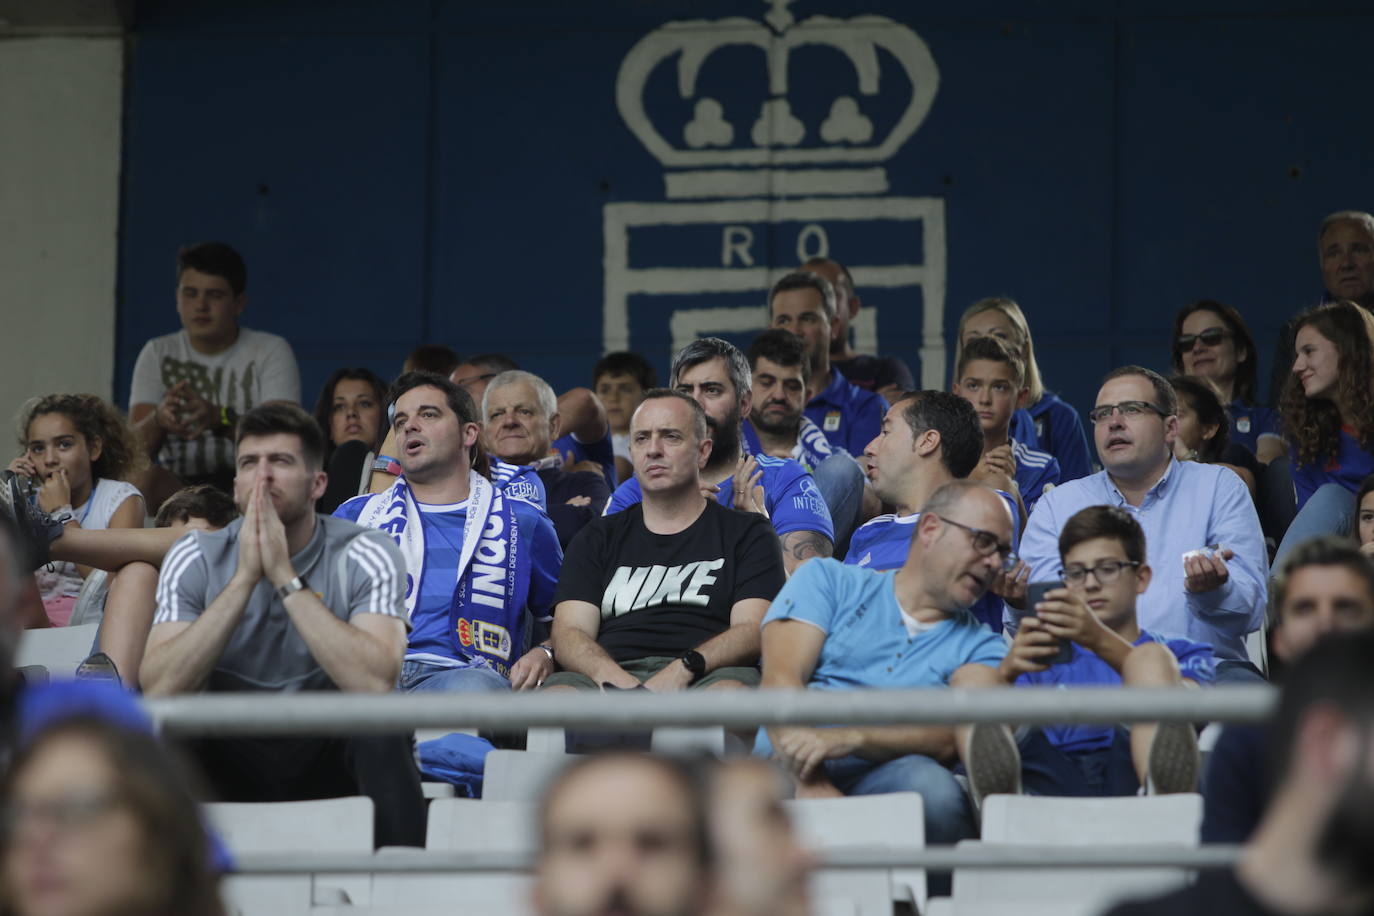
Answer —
1091 613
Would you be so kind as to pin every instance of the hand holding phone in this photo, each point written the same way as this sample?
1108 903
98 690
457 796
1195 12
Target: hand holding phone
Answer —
1035 593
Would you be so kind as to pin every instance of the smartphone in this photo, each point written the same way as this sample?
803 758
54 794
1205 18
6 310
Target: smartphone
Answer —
1035 593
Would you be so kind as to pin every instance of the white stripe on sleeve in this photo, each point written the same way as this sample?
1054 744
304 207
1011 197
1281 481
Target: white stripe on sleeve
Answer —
182 555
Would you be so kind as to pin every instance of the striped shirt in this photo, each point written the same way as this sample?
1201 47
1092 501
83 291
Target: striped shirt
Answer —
354 570
1037 472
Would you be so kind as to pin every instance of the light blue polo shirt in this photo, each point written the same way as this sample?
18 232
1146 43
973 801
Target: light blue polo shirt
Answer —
868 643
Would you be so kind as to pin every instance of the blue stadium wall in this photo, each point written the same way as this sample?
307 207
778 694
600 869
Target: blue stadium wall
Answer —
551 179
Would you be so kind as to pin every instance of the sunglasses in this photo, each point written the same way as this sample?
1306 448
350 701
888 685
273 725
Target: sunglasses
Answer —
1210 338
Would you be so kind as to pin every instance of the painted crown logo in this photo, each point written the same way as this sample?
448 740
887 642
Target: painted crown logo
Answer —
776 137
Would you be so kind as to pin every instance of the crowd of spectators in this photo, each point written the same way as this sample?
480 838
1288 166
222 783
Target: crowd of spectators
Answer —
794 514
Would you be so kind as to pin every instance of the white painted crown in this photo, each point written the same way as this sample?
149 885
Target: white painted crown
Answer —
775 138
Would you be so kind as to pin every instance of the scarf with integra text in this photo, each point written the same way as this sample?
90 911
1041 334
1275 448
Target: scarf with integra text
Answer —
487 630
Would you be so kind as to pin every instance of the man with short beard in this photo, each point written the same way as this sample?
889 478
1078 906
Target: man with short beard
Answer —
886 375
715 374
1313 852
1324 586
285 600
624 835
777 427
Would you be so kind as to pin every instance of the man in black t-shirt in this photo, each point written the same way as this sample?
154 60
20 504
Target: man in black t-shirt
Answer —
670 592
1313 852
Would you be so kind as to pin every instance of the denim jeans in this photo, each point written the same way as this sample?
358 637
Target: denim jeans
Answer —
1330 510
422 677
948 813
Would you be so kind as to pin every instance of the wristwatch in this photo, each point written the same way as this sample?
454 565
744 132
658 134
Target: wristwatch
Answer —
297 584
696 663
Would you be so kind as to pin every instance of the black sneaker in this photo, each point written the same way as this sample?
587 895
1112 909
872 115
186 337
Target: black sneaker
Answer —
98 667
994 763
33 527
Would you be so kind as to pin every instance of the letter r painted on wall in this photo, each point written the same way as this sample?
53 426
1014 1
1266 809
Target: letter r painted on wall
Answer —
750 199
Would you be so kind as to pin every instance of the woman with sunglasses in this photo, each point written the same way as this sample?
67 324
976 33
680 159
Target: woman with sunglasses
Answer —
1328 416
1212 341
1045 422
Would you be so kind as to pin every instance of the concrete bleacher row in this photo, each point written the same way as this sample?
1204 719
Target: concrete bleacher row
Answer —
871 848
881 827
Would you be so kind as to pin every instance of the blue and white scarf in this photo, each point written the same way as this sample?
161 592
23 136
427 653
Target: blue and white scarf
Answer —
811 449
487 614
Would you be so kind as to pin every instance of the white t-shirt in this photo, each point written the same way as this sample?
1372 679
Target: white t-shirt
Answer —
60 579
258 367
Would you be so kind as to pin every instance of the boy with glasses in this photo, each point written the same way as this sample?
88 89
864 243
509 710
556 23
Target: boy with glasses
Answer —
1102 549
1206 550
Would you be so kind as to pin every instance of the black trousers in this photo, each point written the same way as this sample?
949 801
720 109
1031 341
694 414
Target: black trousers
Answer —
297 768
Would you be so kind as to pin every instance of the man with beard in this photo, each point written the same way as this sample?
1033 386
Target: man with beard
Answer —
777 427
624 835
803 303
887 375
285 600
1313 852
1325 585
716 375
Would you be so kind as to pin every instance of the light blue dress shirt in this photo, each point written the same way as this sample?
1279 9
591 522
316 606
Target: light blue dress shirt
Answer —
1193 505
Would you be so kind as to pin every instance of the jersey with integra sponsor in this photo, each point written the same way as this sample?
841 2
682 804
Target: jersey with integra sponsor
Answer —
435 638
665 594
883 543
1037 472
519 480
793 500
1087 669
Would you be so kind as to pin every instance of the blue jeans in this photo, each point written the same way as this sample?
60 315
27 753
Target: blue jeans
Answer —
1330 510
948 813
841 483
423 677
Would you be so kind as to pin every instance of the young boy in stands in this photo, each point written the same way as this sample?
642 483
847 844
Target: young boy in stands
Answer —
1103 552
992 377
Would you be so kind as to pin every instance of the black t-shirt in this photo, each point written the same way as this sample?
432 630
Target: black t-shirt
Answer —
665 594
872 373
1216 893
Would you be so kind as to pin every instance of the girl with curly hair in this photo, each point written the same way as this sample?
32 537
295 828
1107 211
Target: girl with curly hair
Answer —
1328 418
78 451
1045 422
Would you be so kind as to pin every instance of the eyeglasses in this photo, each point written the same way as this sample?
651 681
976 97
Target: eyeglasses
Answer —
1210 338
986 543
1105 572
1131 410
